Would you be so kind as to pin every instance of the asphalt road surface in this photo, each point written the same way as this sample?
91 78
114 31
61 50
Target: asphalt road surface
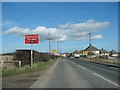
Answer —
71 73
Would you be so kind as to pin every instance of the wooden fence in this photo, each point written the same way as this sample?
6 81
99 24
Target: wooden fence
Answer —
16 63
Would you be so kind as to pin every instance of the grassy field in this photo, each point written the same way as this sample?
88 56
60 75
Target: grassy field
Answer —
27 69
104 61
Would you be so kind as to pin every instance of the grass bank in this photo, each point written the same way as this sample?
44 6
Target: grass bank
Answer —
104 61
27 68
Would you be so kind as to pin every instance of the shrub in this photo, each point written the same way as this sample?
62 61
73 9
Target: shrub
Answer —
25 56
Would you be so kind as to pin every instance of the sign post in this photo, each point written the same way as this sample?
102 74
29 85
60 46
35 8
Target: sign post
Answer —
31 39
31 56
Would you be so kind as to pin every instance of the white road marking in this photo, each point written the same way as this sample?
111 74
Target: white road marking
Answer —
101 65
81 67
113 67
78 65
106 79
74 63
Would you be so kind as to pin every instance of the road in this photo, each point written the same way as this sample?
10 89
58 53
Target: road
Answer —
72 73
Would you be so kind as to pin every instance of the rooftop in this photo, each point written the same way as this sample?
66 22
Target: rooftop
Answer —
103 51
91 48
113 52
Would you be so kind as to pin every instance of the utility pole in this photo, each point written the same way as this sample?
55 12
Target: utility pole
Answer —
57 45
49 42
89 38
90 42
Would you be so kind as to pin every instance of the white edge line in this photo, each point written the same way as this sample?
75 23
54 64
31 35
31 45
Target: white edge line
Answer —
105 79
113 67
78 65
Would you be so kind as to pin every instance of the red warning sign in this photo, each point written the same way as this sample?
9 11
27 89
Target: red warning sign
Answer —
31 39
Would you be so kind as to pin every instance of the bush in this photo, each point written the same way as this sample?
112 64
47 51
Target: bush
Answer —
25 56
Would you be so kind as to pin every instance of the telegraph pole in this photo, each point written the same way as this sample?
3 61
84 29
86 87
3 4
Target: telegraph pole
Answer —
90 42
49 42
57 45
89 38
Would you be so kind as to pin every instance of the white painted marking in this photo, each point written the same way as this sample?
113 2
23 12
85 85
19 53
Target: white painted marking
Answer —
113 67
74 63
78 65
106 79
81 67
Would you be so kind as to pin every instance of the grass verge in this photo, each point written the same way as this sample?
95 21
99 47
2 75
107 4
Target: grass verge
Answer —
104 61
27 68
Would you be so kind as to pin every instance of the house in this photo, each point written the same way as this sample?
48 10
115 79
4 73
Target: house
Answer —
113 53
92 51
84 52
64 54
76 54
57 53
68 54
103 52
91 55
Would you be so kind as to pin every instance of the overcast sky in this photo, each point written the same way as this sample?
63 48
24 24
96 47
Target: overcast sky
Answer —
67 22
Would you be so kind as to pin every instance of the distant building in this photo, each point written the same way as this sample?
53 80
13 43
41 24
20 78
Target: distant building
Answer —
57 53
64 54
84 52
104 52
113 53
67 54
92 49
91 55
77 53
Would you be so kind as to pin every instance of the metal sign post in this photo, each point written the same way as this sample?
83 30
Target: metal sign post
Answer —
31 56
31 39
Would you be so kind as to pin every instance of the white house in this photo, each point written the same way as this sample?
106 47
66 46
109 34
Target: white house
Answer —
103 52
76 54
64 54
93 50
113 53
57 53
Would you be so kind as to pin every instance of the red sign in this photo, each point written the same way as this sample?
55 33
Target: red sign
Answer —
31 39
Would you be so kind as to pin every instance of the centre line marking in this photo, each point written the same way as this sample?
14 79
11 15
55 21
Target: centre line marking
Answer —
78 65
106 79
81 67
113 67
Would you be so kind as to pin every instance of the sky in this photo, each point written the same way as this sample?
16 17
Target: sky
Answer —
60 1
67 22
